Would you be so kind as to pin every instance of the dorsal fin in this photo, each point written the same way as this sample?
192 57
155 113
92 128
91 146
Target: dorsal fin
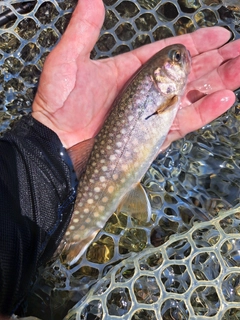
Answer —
79 154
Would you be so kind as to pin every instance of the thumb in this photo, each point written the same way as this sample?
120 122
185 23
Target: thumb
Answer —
83 29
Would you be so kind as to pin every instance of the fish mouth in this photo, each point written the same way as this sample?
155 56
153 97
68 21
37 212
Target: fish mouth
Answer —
188 61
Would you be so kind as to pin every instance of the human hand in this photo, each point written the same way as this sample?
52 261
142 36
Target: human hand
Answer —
75 94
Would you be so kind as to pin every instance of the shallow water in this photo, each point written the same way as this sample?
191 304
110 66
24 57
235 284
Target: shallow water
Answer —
187 185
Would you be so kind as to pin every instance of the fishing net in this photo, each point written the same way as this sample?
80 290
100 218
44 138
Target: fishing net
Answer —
185 263
194 275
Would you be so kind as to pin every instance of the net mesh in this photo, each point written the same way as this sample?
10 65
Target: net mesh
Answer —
194 275
185 263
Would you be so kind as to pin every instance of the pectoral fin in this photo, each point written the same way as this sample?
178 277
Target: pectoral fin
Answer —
136 203
79 154
168 103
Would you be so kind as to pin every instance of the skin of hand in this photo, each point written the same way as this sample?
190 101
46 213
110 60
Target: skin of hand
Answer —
75 93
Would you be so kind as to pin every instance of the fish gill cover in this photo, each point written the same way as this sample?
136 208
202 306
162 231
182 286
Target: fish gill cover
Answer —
185 263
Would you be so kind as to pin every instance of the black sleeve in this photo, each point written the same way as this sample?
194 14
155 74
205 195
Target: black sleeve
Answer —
37 193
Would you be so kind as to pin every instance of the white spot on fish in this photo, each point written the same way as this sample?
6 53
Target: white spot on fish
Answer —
101 208
112 157
96 171
124 131
76 237
110 189
104 168
112 166
97 189
88 220
124 167
105 199
72 228
75 220
86 188
76 212
99 224
103 218
102 179
109 147
102 161
90 201
115 176
127 154
86 210
67 233
130 118
96 214
135 142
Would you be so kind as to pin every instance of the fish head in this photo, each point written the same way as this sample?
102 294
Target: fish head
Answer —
170 70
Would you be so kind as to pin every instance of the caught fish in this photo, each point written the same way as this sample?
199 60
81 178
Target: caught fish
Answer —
124 149
233 5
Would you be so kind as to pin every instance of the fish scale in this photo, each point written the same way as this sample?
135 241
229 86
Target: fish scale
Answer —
124 149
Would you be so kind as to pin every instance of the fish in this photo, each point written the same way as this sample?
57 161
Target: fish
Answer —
233 5
124 149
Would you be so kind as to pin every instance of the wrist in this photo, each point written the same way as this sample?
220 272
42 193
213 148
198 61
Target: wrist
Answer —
46 121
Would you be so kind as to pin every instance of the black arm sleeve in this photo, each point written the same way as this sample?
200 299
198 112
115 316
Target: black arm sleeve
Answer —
37 193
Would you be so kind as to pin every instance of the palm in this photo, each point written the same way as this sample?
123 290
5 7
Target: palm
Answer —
75 93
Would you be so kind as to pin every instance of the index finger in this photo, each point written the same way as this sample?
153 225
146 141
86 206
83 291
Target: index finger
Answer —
83 30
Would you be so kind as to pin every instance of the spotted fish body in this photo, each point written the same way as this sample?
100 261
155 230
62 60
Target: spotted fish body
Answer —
233 5
128 143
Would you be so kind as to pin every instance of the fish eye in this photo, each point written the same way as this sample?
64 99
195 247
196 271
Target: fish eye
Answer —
176 55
